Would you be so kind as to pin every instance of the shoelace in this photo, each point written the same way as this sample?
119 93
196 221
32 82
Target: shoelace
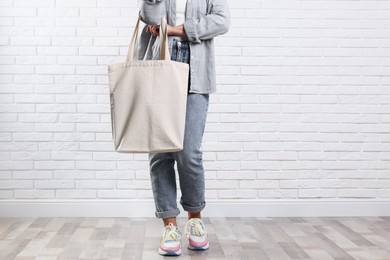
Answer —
196 225
170 231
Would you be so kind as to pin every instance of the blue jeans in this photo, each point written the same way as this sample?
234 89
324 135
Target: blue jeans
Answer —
189 160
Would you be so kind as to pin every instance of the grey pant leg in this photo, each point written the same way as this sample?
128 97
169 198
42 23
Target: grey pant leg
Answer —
189 160
163 179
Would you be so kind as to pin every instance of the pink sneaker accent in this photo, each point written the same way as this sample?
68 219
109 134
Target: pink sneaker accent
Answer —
197 244
165 248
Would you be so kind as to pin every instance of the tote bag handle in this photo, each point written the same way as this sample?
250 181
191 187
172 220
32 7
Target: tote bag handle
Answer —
132 53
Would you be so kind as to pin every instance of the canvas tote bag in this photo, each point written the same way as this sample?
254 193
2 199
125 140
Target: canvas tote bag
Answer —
148 100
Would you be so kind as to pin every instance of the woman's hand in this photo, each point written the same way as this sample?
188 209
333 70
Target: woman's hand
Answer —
153 29
177 30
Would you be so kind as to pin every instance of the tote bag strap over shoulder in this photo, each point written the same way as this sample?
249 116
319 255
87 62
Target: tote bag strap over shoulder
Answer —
164 49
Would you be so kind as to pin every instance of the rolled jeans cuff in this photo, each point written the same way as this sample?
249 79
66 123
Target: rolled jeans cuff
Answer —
193 208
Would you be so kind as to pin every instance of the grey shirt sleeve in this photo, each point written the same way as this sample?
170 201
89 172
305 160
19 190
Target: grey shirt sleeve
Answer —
209 25
151 11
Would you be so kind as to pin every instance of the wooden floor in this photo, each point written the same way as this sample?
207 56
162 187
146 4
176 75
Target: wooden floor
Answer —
230 238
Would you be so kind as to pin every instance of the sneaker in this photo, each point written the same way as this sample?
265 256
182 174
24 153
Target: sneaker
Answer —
197 234
170 241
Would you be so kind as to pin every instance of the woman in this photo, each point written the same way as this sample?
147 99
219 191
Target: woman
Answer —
192 25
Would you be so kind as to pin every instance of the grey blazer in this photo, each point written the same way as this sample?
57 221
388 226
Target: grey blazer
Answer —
204 20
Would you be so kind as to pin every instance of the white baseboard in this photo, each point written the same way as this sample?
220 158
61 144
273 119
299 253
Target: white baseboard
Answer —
214 208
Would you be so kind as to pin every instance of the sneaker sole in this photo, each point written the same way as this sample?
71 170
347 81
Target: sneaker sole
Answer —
199 247
169 252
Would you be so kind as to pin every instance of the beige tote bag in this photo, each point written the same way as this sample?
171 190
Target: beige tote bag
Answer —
148 100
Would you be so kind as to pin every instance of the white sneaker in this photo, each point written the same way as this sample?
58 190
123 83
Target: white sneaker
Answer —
170 240
197 234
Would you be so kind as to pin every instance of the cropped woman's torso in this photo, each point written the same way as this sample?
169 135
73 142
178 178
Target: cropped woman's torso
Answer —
180 11
180 16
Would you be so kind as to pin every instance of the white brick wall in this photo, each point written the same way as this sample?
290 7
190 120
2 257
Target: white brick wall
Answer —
302 109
